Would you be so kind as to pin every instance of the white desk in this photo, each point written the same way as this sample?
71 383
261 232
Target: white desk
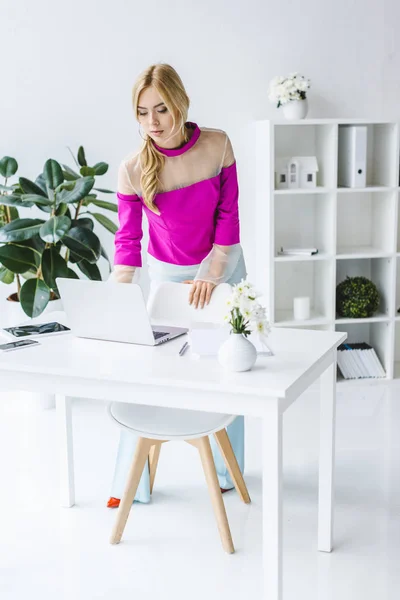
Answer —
72 367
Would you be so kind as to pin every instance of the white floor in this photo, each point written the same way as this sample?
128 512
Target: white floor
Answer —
171 547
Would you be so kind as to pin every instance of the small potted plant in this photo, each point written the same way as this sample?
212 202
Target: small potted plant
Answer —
357 298
35 251
245 315
290 93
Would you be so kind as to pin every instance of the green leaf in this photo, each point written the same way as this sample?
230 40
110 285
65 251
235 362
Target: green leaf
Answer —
90 270
81 188
36 199
54 229
61 210
69 174
6 276
34 297
81 157
6 188
107 205
53 174
17 259
28 187
14 214
53 265
72 275
41 183
106 222
100 168
83 222
15 200
8 166
37 245
87 171
20 229
84 243
104 255
104 191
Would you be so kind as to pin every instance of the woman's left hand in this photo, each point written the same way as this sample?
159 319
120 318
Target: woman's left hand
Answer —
201 291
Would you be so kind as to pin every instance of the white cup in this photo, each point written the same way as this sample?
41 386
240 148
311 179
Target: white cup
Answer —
301 308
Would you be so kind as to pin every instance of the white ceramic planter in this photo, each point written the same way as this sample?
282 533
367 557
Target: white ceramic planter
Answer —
237 353
295 110
11 314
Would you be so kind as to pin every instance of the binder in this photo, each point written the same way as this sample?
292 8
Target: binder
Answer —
352 163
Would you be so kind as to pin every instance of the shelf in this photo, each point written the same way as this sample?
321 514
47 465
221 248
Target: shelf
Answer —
356 230
352 382
308 225
382 167
315 140
363 190
303 278
299 191
361 252
374 233
293 258
286 318
379 318
375 333
378 270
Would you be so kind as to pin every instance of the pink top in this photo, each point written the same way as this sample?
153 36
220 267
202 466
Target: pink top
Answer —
198 202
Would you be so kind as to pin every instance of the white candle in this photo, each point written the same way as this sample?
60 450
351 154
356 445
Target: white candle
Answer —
301 308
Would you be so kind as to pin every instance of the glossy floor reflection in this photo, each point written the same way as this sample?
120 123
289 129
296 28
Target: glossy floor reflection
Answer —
171 547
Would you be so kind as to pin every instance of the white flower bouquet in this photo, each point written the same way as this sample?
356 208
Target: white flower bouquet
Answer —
285 89
245 312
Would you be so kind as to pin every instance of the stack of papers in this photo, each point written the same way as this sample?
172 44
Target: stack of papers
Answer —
357 361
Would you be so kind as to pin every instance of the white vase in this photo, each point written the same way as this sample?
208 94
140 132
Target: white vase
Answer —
11 313
295 109
237 353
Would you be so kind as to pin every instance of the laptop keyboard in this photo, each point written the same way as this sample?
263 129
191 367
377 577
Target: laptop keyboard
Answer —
159 334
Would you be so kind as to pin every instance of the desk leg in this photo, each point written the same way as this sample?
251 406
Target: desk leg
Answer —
66 451
272 505
327 458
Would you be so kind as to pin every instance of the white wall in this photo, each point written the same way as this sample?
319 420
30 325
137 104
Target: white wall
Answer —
68 69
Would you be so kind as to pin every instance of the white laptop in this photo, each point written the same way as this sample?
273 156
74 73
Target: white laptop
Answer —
106 311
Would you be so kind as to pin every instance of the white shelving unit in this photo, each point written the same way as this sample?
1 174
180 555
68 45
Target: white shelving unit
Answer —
357 231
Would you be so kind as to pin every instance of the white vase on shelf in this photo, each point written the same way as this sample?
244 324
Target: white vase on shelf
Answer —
237 353
295 109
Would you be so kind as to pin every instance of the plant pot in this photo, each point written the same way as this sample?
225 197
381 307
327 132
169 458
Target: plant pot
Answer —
11 313
295 110
237 353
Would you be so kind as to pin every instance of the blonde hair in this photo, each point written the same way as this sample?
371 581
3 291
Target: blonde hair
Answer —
169 86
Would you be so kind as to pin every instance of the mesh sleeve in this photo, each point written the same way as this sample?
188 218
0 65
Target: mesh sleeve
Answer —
219 265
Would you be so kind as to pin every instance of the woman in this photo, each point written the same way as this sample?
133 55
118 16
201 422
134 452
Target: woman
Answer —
184 178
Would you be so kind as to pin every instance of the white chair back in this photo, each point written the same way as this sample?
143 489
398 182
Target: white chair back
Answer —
169 305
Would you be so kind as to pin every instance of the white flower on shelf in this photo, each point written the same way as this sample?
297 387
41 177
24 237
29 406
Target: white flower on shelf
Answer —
285 89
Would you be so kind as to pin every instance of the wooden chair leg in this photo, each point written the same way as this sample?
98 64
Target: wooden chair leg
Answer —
229 457
153 462
203 445
135 473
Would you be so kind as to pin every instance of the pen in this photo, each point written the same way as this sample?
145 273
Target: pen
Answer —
184 348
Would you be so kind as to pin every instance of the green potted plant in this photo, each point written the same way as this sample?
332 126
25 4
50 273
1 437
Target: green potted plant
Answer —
357 298
35 251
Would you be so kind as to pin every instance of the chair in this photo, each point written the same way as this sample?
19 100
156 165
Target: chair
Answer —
156 425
